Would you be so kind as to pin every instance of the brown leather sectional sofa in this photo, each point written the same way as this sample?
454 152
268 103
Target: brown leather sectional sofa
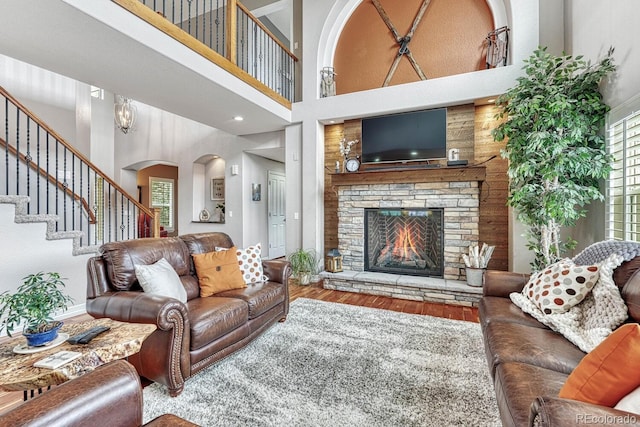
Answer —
111 395
529 363
190 336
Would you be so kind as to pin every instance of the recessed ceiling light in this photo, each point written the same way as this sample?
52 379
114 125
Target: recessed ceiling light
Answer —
332 121
238 118
491 100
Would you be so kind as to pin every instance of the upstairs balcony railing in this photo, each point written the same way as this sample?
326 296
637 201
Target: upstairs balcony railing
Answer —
59 180
230 33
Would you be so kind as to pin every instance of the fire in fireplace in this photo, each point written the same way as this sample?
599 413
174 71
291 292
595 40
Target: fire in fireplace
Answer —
406 241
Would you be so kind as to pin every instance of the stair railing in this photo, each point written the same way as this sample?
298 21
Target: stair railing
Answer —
226 33
61 181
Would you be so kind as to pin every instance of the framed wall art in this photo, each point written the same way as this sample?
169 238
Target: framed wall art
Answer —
217 189
256 192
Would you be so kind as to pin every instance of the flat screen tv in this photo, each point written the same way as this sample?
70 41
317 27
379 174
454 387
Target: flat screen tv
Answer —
405 137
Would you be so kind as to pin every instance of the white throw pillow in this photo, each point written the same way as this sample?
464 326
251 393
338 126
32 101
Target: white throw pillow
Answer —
630 403
161 279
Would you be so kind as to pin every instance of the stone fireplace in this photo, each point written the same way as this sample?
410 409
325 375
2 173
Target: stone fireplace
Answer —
454 192
404 241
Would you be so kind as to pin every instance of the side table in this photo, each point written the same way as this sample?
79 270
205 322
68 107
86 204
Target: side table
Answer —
17 372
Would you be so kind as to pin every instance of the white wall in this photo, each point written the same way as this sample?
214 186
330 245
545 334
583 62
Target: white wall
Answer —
592 27
255 218
24 250
162 137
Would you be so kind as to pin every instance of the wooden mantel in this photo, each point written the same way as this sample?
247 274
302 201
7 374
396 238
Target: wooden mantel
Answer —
400 176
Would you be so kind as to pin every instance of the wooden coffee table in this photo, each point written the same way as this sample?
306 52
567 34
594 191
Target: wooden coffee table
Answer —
17 372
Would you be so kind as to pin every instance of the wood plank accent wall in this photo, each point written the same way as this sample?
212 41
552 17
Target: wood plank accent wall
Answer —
494 213
469 129
332 135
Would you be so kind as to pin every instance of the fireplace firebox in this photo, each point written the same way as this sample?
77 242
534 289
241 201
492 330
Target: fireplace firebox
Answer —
404 241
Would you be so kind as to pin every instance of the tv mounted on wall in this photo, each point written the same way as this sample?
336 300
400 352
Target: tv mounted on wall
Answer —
405 137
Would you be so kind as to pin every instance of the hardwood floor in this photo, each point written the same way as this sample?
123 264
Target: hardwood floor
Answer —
9 400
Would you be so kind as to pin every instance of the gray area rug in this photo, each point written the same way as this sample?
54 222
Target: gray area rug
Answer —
334 364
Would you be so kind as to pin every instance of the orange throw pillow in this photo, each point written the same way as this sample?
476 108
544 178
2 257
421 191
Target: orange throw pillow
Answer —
609 372
218 271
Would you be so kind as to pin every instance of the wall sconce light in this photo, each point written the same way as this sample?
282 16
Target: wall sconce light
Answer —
125 114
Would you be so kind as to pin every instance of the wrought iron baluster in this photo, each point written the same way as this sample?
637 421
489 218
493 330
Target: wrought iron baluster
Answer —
39 130
122 216
73 192
197 23
65 185
18 151
83 205
6 146
47 168
224 32
189 18
57 189
211 25
109 210
28 161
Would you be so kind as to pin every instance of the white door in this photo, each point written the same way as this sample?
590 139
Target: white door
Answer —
276 202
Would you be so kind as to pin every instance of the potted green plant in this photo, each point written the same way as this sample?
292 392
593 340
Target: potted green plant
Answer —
556 148
33 305
304 264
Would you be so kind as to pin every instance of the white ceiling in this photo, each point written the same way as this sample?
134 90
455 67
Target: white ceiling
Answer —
152 67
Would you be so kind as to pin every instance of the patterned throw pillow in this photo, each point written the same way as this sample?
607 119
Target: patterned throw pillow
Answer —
561 286
250 262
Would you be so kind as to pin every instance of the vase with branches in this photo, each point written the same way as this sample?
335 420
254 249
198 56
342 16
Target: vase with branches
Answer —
553 120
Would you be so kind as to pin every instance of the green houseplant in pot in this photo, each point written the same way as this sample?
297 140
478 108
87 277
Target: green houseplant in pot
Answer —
33 305
556 148
304 264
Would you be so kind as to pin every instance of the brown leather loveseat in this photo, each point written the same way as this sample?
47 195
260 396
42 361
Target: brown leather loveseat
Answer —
190 336
530 363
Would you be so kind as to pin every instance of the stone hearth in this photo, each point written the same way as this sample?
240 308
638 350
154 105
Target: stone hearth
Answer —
405 287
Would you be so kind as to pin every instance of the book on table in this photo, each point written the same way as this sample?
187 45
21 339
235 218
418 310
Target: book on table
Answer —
58 359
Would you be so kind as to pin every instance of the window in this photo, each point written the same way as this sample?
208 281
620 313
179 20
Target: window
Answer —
623 186
161 196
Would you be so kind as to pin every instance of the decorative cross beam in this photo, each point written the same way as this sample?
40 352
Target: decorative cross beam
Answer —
403 42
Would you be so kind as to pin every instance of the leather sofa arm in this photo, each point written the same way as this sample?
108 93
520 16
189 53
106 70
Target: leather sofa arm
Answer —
164 356
139 307
553 411
277 270
85 401
501 283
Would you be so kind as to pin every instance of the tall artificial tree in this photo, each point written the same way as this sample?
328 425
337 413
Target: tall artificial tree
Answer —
556 148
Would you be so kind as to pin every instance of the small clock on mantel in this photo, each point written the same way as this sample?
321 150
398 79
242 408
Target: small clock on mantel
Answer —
352 164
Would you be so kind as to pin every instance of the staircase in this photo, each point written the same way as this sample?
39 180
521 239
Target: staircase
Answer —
50 181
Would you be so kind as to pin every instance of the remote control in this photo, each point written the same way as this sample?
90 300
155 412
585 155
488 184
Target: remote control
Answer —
89 334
